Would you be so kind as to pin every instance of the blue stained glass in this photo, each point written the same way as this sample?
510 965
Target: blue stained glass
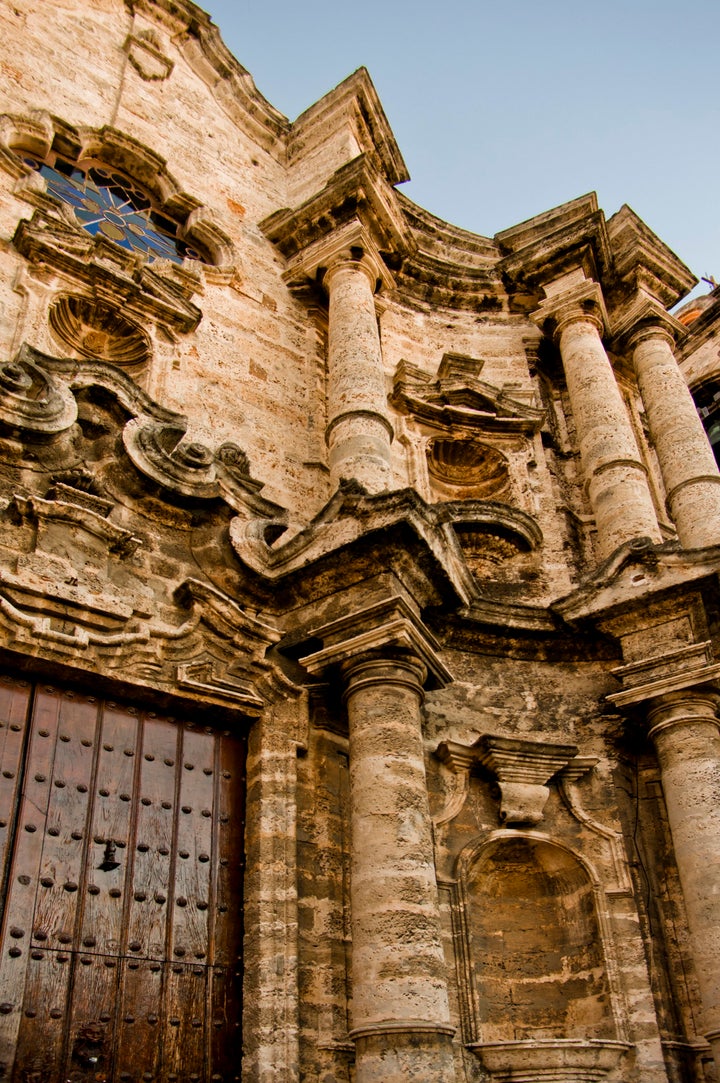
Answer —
110 206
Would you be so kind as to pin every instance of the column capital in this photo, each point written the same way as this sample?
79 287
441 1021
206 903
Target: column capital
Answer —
350 245
387 630
582 301
645 319
357 209
682 708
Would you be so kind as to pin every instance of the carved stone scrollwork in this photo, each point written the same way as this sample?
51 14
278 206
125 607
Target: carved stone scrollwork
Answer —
159 452
31 400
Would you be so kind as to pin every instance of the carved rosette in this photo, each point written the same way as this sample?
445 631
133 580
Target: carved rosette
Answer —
32 401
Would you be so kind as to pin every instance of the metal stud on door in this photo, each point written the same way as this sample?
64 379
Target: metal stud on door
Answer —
123 870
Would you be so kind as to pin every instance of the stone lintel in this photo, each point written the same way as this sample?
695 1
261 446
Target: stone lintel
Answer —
385 628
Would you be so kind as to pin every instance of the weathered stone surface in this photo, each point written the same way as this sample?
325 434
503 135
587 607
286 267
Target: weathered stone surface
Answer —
428 518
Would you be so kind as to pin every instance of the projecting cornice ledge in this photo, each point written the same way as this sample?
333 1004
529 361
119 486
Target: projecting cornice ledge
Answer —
356 198
552 244
644 262
637 572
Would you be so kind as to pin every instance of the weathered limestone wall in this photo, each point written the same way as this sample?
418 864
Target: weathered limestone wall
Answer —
460 857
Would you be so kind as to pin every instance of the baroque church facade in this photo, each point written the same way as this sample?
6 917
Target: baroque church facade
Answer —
359 609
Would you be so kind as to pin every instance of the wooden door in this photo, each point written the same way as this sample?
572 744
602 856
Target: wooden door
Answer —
121 841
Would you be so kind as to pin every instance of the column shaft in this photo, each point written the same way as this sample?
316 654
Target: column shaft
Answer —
400 1003
617 480
359 430
691 477
684 729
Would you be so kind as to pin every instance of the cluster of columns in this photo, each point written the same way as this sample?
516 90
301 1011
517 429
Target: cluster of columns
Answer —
400 1011
618 487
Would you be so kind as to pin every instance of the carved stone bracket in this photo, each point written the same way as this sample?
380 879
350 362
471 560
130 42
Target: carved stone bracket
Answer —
522 768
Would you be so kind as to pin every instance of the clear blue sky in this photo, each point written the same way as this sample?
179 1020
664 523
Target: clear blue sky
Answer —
504 109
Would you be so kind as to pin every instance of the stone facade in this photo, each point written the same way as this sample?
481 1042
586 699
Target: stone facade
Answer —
358 598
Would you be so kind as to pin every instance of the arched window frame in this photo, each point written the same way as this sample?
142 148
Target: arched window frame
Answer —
45 138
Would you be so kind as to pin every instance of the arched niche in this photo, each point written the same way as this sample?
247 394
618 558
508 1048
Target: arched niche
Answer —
537 967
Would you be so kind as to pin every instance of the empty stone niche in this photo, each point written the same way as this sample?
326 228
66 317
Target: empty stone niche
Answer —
539 989
500 546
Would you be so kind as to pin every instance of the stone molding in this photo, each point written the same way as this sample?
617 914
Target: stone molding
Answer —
550 1060
457 399
522 768
580 302
356 207
645 318
382 631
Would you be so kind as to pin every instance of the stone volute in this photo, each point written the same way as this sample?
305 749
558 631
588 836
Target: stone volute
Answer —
616 478
400 1015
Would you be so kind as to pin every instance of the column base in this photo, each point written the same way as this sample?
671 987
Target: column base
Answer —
399 1052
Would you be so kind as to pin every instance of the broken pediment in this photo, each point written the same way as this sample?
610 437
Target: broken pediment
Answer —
456 398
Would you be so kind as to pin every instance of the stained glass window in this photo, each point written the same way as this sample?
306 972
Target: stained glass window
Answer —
109 204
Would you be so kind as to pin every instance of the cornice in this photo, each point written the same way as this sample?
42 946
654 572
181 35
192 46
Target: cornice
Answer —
641 260
354 103
637 572
556 242
355 196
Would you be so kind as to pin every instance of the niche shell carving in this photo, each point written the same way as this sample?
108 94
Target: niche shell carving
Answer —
94 329
468 463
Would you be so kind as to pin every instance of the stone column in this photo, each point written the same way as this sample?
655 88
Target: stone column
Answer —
690 474
359 431
400 1013
617 479
400 1005
685 731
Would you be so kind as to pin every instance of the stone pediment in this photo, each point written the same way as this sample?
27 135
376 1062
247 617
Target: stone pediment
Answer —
634 575
110 273
457 398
